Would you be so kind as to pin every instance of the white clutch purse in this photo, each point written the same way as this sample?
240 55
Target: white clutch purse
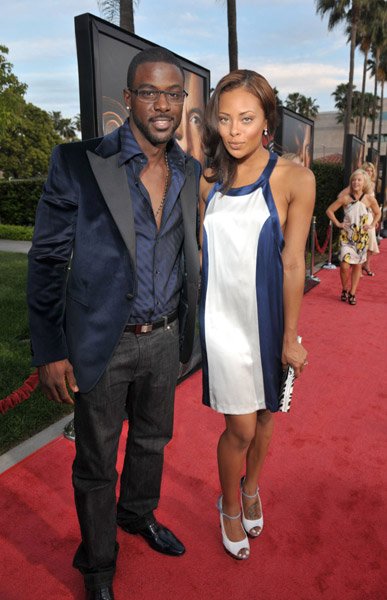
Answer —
287 384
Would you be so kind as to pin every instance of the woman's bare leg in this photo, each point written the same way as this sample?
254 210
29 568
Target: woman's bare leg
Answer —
254 463
356 272
232 449
344 275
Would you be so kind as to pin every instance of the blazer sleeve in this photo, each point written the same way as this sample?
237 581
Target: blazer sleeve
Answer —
48 260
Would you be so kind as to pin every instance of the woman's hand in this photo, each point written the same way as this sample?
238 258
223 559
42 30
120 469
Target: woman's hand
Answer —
343 225
294 354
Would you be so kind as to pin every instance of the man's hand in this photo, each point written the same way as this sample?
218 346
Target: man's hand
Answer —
52 379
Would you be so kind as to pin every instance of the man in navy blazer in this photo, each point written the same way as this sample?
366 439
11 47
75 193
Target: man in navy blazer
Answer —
112 293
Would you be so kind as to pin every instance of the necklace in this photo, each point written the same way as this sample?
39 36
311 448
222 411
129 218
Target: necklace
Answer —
165 187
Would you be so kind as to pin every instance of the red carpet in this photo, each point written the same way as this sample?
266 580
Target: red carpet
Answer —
323 487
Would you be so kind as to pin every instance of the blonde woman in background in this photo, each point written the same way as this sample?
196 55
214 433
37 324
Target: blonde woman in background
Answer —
355 228
370 169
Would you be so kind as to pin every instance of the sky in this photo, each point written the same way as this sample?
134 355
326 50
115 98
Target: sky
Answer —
284 40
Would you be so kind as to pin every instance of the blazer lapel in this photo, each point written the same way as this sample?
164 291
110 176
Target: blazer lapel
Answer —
189 210
113 183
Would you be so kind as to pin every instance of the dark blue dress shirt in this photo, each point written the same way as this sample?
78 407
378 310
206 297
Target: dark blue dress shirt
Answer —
159 275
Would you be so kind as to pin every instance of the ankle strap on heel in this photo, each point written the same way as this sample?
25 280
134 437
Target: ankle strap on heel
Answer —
220 509
244 493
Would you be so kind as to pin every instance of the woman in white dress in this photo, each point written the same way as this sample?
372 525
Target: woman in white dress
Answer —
354 230
373 248
256 211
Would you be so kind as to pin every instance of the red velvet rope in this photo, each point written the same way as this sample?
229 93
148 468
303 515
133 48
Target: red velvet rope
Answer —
322 250
21 394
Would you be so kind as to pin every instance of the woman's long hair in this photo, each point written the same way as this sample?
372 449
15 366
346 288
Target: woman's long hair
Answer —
370 165
222 163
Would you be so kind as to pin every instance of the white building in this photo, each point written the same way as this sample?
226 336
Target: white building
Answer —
329 135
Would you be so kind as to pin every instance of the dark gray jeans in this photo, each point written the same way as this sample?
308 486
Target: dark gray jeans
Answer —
141 378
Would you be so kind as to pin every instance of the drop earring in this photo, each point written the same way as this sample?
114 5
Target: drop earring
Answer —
265 132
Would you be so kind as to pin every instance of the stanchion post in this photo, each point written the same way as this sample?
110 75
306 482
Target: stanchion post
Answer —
329 265
312 277
312 245
380 222
330 243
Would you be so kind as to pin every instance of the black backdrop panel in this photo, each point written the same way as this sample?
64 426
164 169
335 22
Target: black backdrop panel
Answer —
104 52
294 135
354 156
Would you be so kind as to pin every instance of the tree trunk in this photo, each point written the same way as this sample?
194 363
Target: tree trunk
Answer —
381 116
348 113
363 91
377 57
232 34
126 15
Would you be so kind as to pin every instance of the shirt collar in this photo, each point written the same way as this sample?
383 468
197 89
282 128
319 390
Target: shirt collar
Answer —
130 148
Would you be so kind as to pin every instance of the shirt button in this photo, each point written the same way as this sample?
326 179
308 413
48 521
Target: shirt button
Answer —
157 272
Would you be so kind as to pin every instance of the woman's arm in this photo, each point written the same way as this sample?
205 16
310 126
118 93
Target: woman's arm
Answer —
330 211
375 211
344 192
299 216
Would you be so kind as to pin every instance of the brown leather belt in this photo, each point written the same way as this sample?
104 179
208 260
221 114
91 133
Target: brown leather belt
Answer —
139 328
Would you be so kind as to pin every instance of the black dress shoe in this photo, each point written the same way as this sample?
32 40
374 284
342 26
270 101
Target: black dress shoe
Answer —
101 594
159 538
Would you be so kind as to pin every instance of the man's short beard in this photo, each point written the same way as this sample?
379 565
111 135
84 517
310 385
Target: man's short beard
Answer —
153 139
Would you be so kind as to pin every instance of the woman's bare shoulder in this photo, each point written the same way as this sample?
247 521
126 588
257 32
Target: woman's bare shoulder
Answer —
293 173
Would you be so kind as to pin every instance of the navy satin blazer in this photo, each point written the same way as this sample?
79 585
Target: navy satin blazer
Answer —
85 214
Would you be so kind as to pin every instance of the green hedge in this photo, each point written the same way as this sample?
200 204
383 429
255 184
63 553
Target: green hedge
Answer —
18 201
16 232
329 183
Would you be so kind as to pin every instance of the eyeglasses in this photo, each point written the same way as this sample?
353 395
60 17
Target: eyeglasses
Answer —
154 95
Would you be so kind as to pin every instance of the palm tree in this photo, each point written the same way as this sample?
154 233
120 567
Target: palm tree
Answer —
363 40
366 113
303 105
119 11
308 107
372 11
65 127
232 34
340 96
340 10
377 48
382 76
292 101
77 122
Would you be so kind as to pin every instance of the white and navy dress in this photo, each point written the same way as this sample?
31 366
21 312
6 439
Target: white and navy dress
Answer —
241 304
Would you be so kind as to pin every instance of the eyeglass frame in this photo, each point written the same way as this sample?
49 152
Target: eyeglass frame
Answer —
158 92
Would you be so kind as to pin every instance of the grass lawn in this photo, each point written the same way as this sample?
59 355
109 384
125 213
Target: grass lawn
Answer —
35 413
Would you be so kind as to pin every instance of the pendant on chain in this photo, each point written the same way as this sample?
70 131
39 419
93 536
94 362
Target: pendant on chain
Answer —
161 206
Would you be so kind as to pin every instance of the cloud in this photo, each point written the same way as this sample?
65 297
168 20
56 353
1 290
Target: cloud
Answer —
189 17
42 49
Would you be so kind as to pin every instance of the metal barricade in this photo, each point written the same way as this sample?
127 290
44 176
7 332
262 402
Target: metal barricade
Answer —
329 265
312 249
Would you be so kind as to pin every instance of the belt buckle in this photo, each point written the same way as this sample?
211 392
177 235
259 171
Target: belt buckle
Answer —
145 328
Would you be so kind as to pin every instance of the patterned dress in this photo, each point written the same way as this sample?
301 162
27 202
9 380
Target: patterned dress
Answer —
241 304
354 241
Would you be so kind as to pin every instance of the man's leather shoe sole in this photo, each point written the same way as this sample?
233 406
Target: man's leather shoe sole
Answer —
159 538
101 594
